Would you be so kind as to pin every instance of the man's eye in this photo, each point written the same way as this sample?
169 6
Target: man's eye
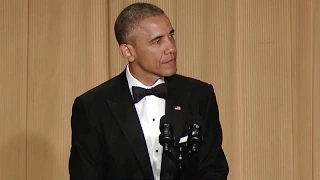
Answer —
172 35
156 41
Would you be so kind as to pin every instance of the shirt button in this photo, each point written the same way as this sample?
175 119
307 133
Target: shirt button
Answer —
156 150
153 119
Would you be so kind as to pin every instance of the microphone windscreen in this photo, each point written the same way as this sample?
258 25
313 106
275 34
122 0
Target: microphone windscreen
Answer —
169 119
164 120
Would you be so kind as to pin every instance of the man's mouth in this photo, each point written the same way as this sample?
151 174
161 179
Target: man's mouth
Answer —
170 60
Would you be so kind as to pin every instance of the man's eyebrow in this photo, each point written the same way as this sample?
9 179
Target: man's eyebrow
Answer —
156 38
159 37
172 31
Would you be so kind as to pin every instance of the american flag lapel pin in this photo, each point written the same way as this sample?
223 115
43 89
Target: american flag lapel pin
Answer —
177 108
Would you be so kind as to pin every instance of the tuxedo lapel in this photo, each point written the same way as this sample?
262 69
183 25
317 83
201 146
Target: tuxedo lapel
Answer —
176 107
176 110
124 111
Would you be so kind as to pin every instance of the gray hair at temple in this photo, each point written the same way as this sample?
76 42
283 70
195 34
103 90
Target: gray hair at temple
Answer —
130 17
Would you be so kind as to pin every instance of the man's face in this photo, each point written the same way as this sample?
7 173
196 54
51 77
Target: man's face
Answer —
154 50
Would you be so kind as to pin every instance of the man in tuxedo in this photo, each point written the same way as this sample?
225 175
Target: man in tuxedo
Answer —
115 126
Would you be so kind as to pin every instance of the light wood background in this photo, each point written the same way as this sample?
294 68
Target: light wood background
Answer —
262 56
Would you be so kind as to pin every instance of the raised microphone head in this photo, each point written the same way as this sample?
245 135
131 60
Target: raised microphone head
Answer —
195 136
166 138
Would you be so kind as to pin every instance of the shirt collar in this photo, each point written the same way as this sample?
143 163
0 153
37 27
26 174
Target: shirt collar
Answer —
132 81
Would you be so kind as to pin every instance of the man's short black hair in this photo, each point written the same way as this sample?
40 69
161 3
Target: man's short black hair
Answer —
130 17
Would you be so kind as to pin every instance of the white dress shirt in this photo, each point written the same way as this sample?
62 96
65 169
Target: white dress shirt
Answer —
150 109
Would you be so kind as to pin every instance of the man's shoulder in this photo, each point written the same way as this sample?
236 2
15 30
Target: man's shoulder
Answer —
189 82
104 89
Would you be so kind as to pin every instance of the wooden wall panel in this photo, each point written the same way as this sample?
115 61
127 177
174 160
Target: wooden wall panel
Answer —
266 91
67 56
117 63
302 88
190 27
13 88
316 89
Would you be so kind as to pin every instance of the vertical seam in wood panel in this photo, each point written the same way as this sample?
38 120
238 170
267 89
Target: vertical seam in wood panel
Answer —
27 87
292 88
239 38
315 88
312 91
108 42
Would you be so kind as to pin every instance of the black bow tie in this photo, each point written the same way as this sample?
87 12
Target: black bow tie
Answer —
139 93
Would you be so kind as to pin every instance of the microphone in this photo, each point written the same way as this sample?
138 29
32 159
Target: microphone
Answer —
195 136
166 138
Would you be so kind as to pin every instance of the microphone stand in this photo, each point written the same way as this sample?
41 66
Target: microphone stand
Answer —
180 155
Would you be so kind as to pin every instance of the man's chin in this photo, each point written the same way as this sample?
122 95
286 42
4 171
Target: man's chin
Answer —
170 73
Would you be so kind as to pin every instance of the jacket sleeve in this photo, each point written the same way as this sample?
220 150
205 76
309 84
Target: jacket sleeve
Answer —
212 162
86 158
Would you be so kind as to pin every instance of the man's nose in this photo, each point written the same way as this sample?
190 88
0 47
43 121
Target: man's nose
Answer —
171 46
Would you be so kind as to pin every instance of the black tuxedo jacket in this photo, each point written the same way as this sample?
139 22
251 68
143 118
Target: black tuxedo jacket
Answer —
108 141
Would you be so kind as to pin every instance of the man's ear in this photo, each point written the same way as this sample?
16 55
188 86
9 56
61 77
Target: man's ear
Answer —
126 52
